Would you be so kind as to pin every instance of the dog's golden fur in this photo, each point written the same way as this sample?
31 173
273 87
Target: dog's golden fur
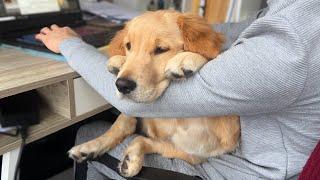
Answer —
186 43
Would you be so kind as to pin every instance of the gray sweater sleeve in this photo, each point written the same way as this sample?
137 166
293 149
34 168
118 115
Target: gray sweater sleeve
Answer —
264 71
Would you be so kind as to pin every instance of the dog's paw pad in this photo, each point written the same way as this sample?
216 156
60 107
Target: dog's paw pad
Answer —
124 165
113 70
86 151
87 156
184 73
187 73
114 63
73 154
176 76
130 167
74 157
184 65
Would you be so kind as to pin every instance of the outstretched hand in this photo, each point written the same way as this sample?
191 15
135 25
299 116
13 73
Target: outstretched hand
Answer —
52 37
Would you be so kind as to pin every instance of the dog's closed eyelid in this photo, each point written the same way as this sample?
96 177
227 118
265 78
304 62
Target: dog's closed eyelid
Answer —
159 50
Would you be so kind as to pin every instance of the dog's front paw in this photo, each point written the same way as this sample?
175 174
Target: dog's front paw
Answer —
131 164
114 63
184 65
86 151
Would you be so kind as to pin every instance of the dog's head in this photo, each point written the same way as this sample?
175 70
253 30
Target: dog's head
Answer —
140 53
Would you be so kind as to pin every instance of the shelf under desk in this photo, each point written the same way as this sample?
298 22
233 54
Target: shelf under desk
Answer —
20 72
65 97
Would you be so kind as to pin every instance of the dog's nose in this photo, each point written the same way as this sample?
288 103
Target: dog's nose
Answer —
125 86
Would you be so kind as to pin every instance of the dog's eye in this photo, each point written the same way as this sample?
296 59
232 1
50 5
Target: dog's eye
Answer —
160 50
128 46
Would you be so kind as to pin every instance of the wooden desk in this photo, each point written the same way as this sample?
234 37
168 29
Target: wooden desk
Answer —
66 98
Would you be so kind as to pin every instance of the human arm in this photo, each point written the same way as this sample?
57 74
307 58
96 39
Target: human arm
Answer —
264 73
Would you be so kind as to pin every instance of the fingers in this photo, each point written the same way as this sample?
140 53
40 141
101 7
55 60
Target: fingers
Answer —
45 30
40 37
54 27
67 28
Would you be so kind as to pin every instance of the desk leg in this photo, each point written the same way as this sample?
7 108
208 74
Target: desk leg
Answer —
9 162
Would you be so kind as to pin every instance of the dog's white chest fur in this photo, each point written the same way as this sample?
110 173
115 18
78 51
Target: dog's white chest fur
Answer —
195 139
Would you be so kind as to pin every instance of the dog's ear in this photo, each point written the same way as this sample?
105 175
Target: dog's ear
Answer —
116 46
199 37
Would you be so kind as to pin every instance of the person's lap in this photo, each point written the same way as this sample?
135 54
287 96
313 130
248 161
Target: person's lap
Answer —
215 168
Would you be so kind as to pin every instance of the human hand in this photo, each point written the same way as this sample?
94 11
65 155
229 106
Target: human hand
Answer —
52 37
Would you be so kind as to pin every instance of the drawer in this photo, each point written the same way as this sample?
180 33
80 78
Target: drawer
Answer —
86 98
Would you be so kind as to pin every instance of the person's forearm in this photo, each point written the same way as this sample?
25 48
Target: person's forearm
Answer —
256 76
91 65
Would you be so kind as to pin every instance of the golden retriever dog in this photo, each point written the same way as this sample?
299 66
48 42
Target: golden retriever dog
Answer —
146 55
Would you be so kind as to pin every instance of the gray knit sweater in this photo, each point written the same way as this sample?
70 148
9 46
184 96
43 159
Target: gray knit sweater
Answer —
270 77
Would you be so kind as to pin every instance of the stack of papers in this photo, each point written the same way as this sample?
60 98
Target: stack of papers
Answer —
108 10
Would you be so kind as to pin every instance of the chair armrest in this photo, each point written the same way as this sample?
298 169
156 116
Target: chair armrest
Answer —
147 173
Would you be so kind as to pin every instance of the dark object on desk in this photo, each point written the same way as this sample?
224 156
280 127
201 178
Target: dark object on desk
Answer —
21 109
18 28
93 35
